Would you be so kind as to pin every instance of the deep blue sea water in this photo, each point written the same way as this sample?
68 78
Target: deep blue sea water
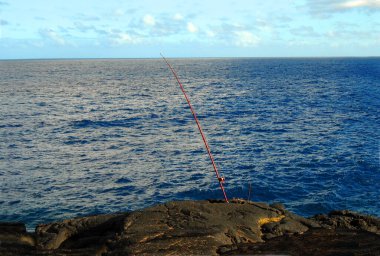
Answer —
81 137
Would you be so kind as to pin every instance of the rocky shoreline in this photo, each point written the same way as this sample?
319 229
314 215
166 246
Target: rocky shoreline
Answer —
209 227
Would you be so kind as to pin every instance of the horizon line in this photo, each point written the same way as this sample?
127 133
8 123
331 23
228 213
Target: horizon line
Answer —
184 57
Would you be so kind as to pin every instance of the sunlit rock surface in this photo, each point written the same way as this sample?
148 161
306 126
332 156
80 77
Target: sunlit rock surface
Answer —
199 228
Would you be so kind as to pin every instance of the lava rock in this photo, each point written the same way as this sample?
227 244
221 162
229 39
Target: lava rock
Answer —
210 227
348 220
14 240
314 242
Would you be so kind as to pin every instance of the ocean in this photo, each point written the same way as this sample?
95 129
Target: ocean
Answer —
81 137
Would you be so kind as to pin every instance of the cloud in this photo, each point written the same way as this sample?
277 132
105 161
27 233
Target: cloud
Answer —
149 20
232 34
125 38
53 36
373 4
178 16
304 31
138 29
82 27
157 27
119 12
246 39
324 8
352 35
210 33
191 28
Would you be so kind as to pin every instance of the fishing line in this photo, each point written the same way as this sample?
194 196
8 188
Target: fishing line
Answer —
220 178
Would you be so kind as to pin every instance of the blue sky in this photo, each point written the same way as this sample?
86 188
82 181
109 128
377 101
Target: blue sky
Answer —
197 28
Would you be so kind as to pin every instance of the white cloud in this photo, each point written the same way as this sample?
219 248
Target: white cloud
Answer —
149 20
191 28
53 36
125 38
178 16
246 39
359 3
324 8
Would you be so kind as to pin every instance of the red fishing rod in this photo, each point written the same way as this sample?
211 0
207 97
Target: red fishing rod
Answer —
220 178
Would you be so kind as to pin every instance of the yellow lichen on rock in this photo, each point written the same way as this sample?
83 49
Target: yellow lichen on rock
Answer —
263 221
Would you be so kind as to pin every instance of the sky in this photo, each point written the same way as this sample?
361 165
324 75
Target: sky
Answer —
196 28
